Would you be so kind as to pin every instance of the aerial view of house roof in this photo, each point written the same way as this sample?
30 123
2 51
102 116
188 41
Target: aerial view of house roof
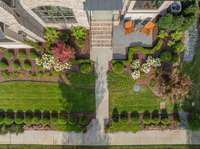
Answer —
118 74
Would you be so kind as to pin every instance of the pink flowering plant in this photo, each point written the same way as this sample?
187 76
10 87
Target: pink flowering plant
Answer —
63 53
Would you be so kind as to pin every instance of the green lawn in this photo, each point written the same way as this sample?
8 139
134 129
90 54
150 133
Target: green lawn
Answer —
77 96
193 70
123 97
125 126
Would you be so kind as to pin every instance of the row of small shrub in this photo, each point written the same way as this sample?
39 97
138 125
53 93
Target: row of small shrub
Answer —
116 116
45 118
17 64
156 118
149 118
9 54
31 75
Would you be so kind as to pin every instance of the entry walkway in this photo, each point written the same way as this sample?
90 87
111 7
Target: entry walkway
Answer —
101 57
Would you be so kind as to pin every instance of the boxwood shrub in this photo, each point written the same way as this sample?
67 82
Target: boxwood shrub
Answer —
147 117
19 117
85 67
118 67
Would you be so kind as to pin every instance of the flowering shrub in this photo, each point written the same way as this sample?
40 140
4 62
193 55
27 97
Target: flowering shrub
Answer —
61 66
135 74
150 60
63 53
48 62
146 68
136 64
156 62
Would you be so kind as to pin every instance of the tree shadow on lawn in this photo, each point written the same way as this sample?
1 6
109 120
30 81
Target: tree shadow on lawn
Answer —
79 93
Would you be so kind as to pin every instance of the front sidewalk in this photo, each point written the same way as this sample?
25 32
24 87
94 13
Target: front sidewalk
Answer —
154 137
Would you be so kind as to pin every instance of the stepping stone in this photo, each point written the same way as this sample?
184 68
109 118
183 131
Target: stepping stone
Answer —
163 105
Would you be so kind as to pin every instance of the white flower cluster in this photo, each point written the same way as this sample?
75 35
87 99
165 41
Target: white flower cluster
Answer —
146 67
60 67
48 62
136 64
135 74
155 62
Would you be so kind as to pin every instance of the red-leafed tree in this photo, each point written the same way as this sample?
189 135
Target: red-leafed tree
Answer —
63 53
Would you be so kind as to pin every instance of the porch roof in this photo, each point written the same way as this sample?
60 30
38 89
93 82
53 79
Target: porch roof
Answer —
103 5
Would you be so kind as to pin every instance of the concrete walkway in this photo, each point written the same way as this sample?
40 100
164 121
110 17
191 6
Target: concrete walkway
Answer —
101 57
155 137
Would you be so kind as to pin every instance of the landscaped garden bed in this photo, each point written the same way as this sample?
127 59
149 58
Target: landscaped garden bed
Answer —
49 87
150 80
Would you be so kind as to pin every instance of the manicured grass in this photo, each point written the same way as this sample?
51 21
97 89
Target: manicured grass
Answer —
123 97
125 126
65 127
193 70
100 147
76 96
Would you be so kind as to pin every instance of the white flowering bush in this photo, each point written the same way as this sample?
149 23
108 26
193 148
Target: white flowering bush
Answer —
60 67
48 62
156 62
136 64
135 74
150 60
146 68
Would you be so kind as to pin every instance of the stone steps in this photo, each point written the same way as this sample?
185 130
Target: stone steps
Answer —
101 33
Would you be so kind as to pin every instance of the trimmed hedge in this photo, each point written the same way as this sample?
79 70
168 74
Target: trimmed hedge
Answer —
156 118
19 117
10 118
142 50
147 117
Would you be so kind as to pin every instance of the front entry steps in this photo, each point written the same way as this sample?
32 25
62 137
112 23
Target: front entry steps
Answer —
101 34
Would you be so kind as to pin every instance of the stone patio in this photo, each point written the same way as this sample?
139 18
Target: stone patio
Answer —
121 42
